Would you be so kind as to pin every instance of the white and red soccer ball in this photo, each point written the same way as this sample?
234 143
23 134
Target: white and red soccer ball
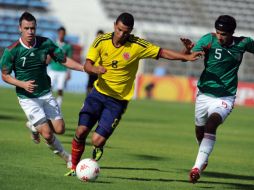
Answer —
87 170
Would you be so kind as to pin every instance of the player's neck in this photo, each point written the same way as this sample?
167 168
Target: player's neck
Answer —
118 43
28 44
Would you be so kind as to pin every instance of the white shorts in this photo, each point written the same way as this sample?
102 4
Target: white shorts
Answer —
57 79
206 105
40 109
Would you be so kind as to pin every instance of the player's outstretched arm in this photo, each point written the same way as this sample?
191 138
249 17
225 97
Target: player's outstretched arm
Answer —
174 55
71 64
91 69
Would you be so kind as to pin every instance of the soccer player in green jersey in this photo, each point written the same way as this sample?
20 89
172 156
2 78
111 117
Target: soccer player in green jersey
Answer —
217 84
59 73
27 58
119 54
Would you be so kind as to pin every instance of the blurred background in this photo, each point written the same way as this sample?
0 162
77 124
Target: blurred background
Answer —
162 22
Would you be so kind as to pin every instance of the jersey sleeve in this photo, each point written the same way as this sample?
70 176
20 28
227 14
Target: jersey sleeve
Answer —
249 47
93 52
149 51
203 43
6 62
56 52
145 49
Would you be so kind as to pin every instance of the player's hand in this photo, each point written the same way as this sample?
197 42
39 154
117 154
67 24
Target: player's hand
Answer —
188 44
30 86
195 55
100 70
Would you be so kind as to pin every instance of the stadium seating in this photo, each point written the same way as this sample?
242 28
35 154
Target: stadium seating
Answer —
190 14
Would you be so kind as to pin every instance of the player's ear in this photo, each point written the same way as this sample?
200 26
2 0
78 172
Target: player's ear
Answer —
20 29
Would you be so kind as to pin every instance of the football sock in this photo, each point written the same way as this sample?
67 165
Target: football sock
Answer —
76 152
55 145
205 150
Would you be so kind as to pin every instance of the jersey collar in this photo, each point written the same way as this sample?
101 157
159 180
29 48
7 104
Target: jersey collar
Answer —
20 40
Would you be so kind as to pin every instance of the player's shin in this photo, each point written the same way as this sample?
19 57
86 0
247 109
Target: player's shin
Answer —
78 147
56 146
205 150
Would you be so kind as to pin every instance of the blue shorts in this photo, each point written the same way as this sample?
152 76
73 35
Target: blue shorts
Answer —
105 110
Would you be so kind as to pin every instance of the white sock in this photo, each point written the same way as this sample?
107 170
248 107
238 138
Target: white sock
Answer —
58 149
59 100
205 150
56 146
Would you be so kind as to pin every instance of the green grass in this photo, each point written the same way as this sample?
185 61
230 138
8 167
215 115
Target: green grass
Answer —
152 148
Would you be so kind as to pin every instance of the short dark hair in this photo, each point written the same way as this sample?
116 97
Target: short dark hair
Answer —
225 23
100 32
61 28
27 16
127 19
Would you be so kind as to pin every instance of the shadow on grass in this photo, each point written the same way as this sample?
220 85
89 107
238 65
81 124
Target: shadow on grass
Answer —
128 168
148 157
227 176
8 117
230 185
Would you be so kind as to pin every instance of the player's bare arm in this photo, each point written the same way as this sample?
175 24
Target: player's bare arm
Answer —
29 86
91 69
71 64
174 55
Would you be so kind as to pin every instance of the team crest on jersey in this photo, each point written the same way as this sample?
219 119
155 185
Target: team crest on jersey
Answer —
32 54
126 56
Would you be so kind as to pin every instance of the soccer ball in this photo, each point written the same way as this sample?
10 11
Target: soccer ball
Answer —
87 170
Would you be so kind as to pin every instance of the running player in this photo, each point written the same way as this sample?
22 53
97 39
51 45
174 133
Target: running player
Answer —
119 53
27 58
217 84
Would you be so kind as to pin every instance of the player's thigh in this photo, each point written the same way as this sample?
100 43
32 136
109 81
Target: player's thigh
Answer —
51 108
91 109
111 116
201 108
33 109
223 106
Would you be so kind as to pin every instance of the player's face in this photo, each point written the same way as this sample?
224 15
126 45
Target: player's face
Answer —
61 35
121 31
224 38
27 30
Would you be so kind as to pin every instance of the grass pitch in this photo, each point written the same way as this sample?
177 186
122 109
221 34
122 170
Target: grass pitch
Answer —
152 148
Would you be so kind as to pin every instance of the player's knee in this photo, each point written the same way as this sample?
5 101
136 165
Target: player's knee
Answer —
82 132
98 140
60 130
48 136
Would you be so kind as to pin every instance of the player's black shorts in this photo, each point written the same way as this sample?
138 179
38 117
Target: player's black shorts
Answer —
104 109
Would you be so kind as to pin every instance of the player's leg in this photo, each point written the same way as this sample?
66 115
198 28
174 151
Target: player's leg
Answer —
30 107
88 116
56 125
110 117
201 116
217 112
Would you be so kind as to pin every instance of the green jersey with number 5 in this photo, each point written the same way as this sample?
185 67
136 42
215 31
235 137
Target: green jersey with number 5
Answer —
30 64
219 77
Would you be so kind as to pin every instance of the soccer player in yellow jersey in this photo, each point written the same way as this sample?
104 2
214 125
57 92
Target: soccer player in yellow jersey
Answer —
119 54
